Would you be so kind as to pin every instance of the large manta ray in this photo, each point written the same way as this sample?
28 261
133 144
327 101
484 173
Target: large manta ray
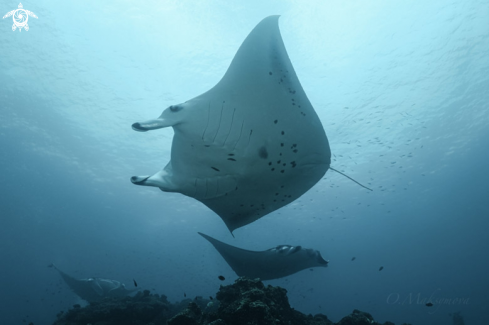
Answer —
94 289
273 263
251 144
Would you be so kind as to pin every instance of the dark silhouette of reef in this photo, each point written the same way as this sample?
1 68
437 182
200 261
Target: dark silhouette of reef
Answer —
246 302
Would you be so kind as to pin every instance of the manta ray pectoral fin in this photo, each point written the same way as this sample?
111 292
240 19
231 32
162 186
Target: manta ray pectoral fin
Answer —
151 125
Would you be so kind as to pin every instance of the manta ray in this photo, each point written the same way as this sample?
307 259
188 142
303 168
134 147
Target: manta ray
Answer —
251 144
94 289
273 263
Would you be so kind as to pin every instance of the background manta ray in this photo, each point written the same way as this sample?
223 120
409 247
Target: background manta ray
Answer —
94 289
272 263
251 144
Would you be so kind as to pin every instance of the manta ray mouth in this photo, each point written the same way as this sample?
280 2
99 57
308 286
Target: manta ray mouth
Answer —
139 180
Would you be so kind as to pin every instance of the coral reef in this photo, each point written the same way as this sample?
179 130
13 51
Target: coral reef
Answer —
143 308
246 302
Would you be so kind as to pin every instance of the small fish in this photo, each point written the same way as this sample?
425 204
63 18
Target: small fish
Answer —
135 283
211 298
429 304
381 268
184 294
221 278
353 258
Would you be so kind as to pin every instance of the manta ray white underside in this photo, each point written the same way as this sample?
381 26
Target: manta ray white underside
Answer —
251 144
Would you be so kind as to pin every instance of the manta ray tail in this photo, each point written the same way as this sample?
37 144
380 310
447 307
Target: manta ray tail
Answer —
350 178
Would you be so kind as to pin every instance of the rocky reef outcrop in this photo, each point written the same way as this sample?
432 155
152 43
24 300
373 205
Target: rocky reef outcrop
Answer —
246 302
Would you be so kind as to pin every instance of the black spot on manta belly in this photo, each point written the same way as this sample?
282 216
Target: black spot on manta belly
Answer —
215 169
263 153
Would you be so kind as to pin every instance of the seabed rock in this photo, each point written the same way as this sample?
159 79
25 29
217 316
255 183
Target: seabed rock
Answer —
246 302
144 308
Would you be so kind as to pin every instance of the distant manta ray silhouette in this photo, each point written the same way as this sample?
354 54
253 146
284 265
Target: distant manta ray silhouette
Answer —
94 289
251 144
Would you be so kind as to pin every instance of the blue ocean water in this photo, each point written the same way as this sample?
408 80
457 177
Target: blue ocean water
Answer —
402 90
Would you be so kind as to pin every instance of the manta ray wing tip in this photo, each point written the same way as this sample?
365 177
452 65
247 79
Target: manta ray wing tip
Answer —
205 236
